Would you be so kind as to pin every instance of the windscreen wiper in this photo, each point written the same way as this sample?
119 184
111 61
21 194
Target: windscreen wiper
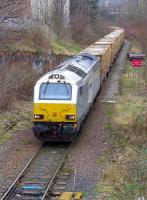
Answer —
45 88
66 89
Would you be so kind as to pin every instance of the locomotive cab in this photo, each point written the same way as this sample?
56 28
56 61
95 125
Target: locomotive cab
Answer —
55 109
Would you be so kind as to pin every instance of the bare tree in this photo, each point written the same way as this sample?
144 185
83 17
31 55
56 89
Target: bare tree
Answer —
12 9
84 18
54 13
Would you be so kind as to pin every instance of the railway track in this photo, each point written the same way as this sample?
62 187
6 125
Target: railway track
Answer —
38 176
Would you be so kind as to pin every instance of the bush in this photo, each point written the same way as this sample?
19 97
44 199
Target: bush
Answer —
16 82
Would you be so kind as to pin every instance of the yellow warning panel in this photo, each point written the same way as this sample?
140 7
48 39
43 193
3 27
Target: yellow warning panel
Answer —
66 196
77 195
70 196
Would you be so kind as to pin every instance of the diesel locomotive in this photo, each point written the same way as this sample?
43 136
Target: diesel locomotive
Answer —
63 97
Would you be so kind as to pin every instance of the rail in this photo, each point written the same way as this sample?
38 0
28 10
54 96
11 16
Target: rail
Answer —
49 160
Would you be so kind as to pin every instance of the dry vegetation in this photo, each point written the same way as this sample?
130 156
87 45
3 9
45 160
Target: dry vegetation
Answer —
52 21
136 21
32 37
15 119
16 83
16 89
124 166
132 15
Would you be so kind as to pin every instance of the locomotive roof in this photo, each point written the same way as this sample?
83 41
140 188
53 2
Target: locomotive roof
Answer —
74 69
83 61
68 76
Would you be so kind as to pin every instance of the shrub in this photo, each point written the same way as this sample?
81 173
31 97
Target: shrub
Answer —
16 82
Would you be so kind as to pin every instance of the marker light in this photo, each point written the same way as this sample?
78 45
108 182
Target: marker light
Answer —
37 116
70 117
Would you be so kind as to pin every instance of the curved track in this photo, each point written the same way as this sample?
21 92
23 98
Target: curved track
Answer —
38 175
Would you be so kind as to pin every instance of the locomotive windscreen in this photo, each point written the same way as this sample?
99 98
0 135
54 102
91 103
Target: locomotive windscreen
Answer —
55 91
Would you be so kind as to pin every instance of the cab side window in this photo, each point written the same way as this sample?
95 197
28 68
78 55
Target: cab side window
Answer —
81 91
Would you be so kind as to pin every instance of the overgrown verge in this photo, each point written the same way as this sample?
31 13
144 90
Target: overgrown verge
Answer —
16 83
16 90
35 37
14 119
124 165
64 48
18 77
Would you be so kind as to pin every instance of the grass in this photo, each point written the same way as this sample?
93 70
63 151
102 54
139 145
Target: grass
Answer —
124 165
20 113
26 141
17 48
67 170
84 194
108 114
57 47
5 137
126 110
64 48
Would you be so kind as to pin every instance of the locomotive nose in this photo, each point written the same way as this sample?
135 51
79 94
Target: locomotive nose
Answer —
55 112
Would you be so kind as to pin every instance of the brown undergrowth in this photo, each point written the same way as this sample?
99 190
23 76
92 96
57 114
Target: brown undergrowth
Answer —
16 83
124 165
16 90
15 119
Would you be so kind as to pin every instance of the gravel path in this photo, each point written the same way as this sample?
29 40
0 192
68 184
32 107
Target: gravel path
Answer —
14 155
83 158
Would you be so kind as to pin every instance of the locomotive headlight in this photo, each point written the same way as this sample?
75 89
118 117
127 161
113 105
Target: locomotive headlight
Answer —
70 117
56 76
37 116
